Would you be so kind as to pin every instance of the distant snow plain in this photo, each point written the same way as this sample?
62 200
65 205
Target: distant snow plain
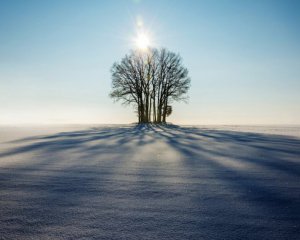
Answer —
149 182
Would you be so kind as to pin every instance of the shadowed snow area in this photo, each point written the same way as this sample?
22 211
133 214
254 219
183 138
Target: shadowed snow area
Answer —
148 182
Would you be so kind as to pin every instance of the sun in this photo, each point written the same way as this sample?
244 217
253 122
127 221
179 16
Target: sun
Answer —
142 41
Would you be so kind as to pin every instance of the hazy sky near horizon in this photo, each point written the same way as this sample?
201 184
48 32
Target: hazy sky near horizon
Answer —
243 58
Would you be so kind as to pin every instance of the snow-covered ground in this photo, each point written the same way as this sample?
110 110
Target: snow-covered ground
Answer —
150 182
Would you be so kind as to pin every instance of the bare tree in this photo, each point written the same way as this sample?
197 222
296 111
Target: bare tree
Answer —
150 80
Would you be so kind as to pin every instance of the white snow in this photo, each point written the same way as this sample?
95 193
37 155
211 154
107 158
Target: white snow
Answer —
149 182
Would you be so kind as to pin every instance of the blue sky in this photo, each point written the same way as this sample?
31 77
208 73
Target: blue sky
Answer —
243 58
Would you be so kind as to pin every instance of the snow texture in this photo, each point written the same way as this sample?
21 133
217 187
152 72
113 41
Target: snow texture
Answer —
148 182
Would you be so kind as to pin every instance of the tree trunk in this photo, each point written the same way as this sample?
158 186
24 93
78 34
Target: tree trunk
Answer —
159 108
150 105
154 109
165 110
142 110
147 109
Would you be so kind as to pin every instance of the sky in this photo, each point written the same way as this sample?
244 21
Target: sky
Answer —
243 58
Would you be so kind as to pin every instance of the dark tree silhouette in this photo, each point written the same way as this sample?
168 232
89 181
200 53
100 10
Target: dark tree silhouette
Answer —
150 80
169 110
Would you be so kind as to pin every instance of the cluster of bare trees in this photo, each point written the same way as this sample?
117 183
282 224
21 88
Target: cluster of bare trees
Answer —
150 80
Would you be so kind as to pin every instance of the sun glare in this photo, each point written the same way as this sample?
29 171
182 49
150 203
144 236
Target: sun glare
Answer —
142 41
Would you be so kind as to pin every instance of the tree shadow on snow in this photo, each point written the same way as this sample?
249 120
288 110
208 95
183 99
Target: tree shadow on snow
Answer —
227 181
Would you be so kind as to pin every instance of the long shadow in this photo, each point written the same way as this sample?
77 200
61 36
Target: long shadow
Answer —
40 195
83 179
271 198
271 151
69 140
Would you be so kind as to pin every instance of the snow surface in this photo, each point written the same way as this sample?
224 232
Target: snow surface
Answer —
149 182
